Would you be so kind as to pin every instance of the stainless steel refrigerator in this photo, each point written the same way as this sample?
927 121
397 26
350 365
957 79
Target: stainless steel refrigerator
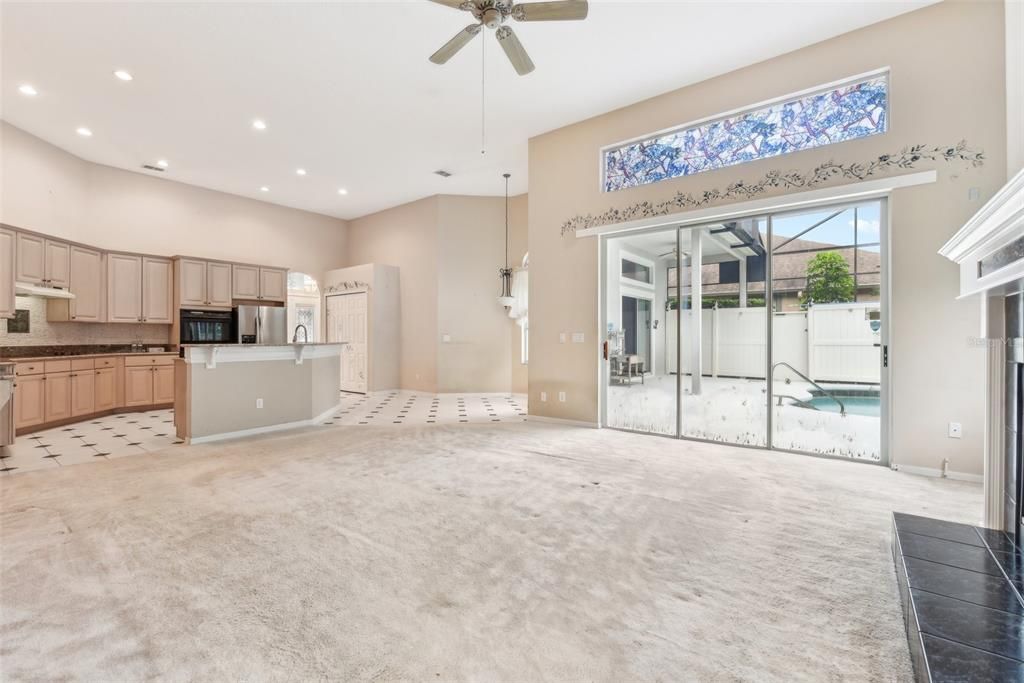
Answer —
261 324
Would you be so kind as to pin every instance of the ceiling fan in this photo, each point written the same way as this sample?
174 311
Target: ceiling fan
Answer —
493 14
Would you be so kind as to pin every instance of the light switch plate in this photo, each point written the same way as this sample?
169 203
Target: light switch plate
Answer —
561 337
446 338
543 397
561 396
578 337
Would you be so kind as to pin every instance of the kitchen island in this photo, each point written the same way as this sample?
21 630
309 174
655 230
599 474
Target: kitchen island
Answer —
234 390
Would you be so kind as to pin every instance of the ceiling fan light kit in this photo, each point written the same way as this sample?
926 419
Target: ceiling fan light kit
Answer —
495 14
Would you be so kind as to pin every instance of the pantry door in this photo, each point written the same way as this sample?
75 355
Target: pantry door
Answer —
347 322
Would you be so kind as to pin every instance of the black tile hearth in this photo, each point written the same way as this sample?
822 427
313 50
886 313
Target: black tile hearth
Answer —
962 604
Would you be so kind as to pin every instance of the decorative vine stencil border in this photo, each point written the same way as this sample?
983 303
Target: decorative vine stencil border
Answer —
906 159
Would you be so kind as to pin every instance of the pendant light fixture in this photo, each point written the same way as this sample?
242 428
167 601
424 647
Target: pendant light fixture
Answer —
506 299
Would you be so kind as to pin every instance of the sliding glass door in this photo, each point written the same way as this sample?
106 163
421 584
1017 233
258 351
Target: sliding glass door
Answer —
828 335
764 331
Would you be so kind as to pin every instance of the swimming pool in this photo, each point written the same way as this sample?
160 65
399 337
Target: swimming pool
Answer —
870 406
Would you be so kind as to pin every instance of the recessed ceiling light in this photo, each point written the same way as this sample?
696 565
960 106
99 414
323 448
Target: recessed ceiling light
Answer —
123 75
259 124
27 89
300 171
264 189
84 132
162 163
342 191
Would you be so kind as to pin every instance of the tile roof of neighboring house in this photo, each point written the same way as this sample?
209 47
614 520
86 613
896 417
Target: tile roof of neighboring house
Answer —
789 267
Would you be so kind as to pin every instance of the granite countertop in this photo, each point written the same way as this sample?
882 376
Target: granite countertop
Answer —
14 354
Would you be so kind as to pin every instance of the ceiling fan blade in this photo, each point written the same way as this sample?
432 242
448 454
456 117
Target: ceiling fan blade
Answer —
565 10
460 41
454 4
514 50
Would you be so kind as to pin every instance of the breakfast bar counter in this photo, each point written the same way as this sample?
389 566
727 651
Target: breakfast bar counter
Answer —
227 391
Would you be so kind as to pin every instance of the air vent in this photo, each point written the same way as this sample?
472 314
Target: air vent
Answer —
443 173
153 168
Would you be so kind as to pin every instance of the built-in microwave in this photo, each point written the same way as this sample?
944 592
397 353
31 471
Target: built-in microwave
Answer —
207 327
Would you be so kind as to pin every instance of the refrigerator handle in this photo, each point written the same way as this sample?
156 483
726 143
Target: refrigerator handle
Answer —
259 331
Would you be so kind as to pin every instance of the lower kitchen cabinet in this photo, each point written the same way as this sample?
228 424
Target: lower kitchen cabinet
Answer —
106 389
29 401
68 389
83 392
58 396
138 386
163 384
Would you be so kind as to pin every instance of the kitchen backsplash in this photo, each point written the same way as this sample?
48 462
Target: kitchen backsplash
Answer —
43 333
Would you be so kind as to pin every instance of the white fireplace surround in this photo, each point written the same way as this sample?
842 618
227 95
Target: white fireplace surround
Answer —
998 223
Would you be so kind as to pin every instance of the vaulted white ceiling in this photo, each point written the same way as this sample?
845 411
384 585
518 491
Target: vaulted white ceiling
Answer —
347 92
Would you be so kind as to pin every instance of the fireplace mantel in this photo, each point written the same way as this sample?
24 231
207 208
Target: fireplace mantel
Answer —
999 223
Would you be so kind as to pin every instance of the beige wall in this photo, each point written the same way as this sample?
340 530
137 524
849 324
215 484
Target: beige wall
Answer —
448 250
947 85
45 189
406 237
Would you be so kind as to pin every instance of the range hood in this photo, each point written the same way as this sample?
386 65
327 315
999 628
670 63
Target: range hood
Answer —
26 289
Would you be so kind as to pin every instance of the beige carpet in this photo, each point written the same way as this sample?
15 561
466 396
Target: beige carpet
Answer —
471 552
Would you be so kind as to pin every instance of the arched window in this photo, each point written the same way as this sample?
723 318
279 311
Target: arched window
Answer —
304 307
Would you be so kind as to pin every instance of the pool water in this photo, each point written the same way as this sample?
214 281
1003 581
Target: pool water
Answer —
855 405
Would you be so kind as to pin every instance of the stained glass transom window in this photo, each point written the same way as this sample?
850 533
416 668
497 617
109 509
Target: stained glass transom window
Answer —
854 110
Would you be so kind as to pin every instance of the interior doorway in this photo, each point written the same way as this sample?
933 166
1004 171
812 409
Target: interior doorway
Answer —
347 322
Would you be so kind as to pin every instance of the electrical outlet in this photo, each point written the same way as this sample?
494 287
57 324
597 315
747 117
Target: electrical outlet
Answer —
561 337
259 403
956 430
543 397
561 397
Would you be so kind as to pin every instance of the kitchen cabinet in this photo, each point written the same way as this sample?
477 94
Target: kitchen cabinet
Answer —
31 259
83 392
157 283
163 384
138 386
86 283
203 284
42 261
191 282
273 284
58 396
105 389
29 401
139 289
8 245
245 282
218 284
58 264
124 288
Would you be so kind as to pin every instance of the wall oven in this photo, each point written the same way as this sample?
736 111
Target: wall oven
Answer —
207 327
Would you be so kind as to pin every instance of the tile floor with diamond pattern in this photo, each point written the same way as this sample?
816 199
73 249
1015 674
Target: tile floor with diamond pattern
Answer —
115 436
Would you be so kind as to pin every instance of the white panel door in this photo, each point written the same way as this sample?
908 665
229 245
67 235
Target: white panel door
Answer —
347 322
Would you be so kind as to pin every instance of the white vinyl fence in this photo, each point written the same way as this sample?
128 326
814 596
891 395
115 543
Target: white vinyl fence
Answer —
830 343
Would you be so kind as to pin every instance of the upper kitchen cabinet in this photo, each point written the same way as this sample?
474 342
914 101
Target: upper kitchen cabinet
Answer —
245 282
8 245
203 284
124 288
139 289
86 276
42 261
218 284
273 284
157 284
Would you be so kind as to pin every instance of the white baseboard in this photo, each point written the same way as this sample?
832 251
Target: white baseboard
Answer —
935 472
265 430
560 421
